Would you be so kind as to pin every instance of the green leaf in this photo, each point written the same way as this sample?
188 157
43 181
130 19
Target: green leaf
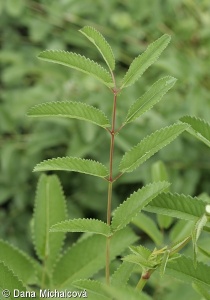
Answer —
125 293
141 251
180 230
146 224
164 222
149 146
182 268
122 274
199 128
196 234
78 62
86 257
134 204
73 164
204 252
70 109
9 281
50 208
146 59
177 206
139 260
93 286
17 261
159 173
82 225
14 9
202 289
99 41
150 98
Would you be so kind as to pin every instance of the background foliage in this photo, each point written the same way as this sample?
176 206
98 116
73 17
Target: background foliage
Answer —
28 27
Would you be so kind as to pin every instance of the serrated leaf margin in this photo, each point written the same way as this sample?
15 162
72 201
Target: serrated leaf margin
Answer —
100 42
97 70
103 124
40 166
106 232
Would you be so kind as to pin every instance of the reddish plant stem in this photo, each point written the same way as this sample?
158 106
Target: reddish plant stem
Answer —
109 201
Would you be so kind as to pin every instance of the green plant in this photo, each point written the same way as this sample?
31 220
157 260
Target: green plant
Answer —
25 81
81 261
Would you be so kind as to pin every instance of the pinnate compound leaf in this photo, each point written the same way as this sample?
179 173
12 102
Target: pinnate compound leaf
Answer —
93 286
82 225
73 164
9 281
149 146
78 62
70 109
17 261
99 41
50 208
182 268
150 98
145 60
177 206
198 128
86 257
124 214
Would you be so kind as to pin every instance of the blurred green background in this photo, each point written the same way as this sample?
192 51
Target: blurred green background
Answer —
28 27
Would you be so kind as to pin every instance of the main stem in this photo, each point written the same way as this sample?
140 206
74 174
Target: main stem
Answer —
109 202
